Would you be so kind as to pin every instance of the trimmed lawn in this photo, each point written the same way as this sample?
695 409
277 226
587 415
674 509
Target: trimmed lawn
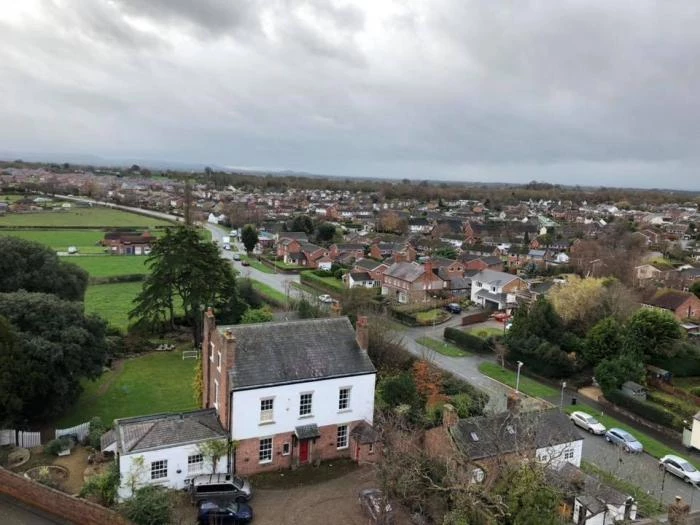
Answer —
112 301
85 240
437 315
95 217
269 292
527 386
330 282
157 382
254 263
440 347
651 446
485 332
110 265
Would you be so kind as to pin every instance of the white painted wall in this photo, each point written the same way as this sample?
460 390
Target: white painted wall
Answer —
177 460
554 455
245 406
614 513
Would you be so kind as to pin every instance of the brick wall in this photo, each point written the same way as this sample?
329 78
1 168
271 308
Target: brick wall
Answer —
57 503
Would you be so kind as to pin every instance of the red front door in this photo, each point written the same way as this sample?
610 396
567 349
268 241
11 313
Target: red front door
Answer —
303 451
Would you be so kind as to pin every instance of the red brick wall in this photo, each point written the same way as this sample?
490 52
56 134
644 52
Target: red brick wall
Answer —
57 503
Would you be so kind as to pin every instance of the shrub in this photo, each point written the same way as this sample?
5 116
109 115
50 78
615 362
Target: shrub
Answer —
55 446
468 342
679 406
649 411
97 428
149 505
695 390
102 488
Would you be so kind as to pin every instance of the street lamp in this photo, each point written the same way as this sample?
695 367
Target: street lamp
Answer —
517 379
561 402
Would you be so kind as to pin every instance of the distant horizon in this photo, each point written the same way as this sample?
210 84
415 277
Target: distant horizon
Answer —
184 166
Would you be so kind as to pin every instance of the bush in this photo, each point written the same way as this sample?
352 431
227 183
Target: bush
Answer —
97 428
649 411
679 406
55 446
468 342
102 488
695 390
149 505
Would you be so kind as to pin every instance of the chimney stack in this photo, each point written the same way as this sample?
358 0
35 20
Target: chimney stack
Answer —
228 357
205 355
449 416
428 272
513 402
362 332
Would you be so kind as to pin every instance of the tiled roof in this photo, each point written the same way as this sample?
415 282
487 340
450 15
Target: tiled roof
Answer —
360 276
166 430
494 278
295 351
406 271
670 299
307 431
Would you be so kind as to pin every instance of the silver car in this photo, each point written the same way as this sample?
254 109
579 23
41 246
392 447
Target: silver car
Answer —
624 439
587 422
681 468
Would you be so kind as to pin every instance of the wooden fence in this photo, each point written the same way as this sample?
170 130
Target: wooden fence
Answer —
81 431
20 438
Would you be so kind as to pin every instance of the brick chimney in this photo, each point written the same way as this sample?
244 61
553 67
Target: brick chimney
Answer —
228 357
362 332
449 416
209 329
428 272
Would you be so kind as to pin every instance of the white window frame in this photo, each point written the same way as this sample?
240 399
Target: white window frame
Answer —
302 405
346 399
216 394
263 446
342 438
569 453
195 464
286 449
218 361
211 351
159 469
267 415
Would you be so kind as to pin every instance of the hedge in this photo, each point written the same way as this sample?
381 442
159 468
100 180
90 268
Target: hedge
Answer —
128 278
468 342
682 365
649 411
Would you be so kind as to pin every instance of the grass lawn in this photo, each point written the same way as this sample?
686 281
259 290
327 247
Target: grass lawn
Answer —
269 292
157 382
254 263
13 197
527 386
647 505
485 332
85 240
651 446
95 217
110 265
440 347
436 315
330 282
112 301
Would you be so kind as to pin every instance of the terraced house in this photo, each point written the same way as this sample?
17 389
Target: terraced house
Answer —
291 393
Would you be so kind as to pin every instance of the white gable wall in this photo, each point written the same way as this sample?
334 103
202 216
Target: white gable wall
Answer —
556 455
245 406
177 460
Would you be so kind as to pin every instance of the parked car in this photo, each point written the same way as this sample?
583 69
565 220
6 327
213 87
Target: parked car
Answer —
236 256
219 487
624 439
680 467
453 308
245 263
376 506
325 298
224 513
587 422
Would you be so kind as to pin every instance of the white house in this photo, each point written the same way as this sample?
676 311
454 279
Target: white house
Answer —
163 449
493 289
291 393
362 280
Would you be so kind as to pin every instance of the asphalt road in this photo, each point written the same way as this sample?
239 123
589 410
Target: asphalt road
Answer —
13 512
641 470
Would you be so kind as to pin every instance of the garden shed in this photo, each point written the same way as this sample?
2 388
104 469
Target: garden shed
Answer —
659 374
634 390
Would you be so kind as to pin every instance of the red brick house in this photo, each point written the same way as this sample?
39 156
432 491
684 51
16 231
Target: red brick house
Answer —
481 262
684 305
408 282
291 393
128 243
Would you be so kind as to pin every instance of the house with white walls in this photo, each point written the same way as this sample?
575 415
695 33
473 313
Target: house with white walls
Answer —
291 393
496 290
164 449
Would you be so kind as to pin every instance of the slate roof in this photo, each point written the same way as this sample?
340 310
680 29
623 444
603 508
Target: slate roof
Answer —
588 490
135 434
494 278
299 236
506 433
307 431
367 264
670 299
406 271
496 297
360 276
365 434
294 352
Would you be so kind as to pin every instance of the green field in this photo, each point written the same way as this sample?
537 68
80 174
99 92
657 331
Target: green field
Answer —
110 265
527 386
82 217
157 382
112 301
441 347
12 197
87 241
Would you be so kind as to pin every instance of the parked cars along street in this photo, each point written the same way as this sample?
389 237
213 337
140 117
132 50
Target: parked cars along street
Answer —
223 487
680 467
224 513
587 422
624 439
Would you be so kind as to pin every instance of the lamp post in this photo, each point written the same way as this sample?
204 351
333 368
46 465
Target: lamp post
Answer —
517 379
561 402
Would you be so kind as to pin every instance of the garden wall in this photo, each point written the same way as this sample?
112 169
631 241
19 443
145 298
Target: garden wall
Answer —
57 503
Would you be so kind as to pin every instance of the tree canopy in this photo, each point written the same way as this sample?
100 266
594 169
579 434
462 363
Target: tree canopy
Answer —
186 271
47 345
605 340
249 237
302 223
33 267
652 333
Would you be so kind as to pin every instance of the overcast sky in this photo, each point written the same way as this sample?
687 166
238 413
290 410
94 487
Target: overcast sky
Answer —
589 92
